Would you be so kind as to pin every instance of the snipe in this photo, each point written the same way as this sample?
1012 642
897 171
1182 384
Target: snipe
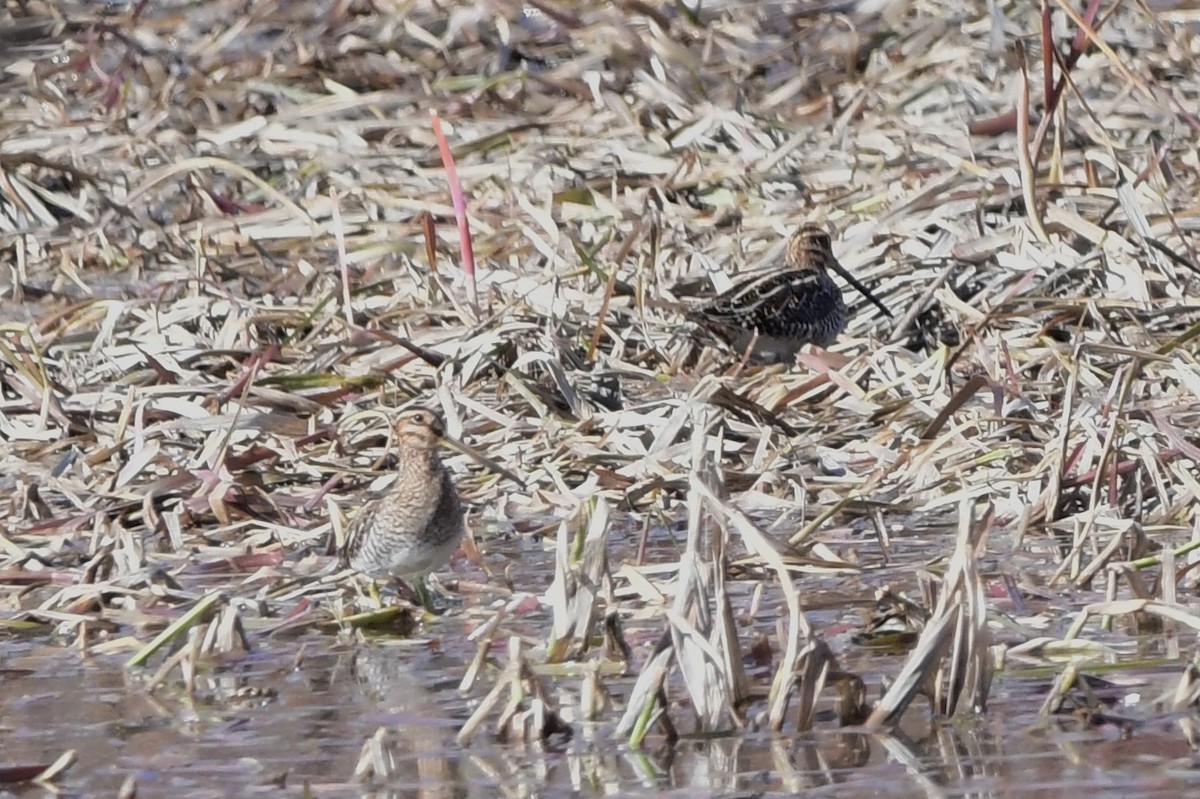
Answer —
781 310
417 525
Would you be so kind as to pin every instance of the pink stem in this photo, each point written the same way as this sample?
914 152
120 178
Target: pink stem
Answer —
460 211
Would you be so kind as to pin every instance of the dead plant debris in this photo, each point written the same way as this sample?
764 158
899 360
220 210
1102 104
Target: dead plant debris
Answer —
232 232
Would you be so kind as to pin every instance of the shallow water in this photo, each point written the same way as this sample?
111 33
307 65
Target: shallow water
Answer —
277 717
297 709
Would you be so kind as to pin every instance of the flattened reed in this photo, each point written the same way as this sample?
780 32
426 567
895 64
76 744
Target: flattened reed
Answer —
185 344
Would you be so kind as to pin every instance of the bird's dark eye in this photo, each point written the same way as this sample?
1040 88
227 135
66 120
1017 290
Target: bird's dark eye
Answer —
419 418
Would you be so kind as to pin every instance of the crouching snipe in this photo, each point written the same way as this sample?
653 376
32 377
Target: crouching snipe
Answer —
776 312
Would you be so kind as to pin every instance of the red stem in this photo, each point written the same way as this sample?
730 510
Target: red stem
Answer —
460 211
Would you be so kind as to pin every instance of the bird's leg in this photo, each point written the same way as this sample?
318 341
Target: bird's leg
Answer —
424 594
417 592
406 590
373 593
427 593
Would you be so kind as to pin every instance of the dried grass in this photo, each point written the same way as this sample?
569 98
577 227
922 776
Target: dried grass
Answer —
227 231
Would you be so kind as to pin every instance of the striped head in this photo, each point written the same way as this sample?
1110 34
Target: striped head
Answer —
810 247
420 429
811 250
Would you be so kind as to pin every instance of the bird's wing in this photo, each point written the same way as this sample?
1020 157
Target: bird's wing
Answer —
355 530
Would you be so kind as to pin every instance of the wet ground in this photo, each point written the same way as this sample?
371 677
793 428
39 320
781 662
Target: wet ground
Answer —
297 712
293 714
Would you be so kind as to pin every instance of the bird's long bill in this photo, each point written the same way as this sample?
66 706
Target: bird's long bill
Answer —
853 281
482 459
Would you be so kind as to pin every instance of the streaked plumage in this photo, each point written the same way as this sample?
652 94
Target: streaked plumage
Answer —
782 310
418 524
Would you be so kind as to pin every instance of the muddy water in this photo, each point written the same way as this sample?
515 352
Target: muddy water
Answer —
295 712
264 727
279 715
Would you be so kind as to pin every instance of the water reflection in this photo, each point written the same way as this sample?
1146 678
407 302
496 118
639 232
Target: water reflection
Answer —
299 712
414 754
741 766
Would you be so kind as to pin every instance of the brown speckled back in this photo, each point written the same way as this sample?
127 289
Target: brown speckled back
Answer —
416 526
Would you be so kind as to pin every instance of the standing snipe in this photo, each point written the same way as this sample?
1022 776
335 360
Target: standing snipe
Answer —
781 310
418 524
